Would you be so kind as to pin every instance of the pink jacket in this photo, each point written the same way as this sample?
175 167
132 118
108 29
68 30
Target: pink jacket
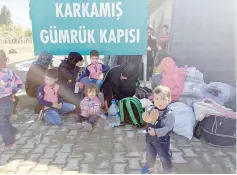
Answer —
172 77
47 95
90 106
93 71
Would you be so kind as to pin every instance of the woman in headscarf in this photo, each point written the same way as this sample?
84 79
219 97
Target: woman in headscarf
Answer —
120 82
35 75
68 70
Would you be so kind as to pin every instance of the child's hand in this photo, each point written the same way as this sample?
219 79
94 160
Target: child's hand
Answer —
55 105
13 98
151 131
91 111
79 63
149 48
60 105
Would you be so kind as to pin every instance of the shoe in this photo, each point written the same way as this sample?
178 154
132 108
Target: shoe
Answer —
87 126
75 126
17 136
41 115
146 169
10 147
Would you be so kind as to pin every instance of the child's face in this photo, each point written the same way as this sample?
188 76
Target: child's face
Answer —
94 59
3 63
50 81
161 101
91 93
149 32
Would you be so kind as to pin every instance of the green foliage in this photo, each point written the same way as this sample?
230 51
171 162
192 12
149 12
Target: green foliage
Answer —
8 29
5 16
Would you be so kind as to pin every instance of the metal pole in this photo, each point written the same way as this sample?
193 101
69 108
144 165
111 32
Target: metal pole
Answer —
144 59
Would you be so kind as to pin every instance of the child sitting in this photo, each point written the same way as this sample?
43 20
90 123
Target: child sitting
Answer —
50 101
160 123
10 83
90 107
94 72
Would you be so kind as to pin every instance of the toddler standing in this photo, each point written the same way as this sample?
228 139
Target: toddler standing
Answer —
10 83
160 123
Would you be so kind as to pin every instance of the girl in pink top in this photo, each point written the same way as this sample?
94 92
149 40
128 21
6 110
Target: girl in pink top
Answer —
90 107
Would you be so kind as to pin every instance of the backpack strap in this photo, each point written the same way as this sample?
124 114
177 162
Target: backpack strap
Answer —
138 105
121 110
130 112
127 102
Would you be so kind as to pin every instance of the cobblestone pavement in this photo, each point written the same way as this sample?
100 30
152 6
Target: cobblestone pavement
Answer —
50 149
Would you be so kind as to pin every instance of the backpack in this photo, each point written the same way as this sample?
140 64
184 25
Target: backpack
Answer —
217 130
131 112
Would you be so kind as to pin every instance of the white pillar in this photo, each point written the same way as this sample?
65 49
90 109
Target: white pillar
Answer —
144 59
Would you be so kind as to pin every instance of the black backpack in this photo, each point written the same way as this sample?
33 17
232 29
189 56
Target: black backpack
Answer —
217 131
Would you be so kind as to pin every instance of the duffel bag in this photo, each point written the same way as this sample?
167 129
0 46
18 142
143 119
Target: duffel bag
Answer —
219 130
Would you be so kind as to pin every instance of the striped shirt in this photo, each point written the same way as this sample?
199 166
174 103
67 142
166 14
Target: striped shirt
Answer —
10 83
90 106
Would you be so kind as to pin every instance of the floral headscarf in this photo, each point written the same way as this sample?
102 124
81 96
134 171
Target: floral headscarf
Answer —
44 59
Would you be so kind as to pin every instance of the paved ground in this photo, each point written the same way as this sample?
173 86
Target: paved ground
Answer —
50 149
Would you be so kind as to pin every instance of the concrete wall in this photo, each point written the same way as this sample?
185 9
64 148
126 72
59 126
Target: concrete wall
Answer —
203 35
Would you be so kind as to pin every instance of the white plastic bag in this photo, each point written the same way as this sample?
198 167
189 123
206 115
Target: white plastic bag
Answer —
184 119
193 83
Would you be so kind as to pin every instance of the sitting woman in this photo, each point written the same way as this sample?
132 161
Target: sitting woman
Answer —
120 82
69 69
68 72
35 75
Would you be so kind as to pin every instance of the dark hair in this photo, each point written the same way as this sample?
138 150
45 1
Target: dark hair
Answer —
94 53
129 70
91 87
166 26
52 73
74 57
162 89
3 59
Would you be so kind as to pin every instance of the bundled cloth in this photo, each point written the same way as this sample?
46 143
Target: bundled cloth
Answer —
172 77
146 103
143 92
221 93
208 107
